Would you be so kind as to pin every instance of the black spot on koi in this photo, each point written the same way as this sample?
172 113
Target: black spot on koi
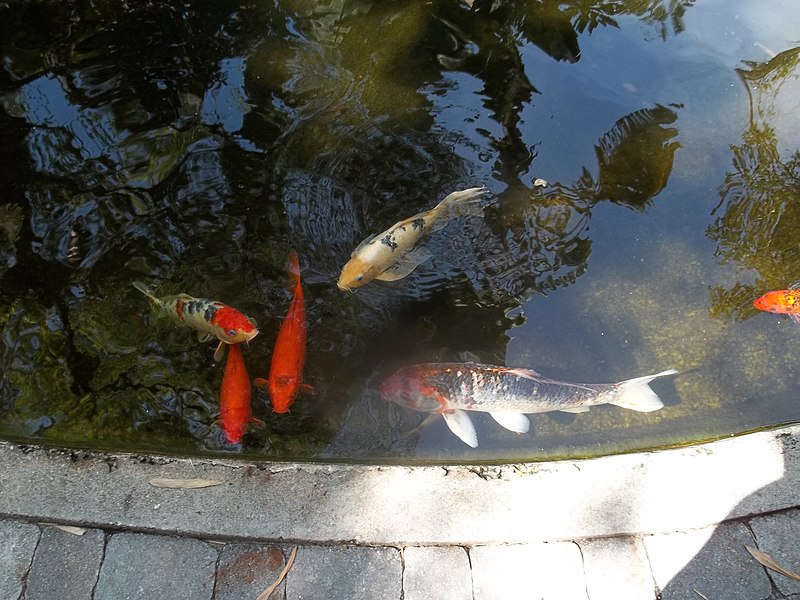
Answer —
388 241
418 223
211 310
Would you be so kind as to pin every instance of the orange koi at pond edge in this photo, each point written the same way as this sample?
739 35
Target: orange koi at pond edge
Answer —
235 413
289 355
782 302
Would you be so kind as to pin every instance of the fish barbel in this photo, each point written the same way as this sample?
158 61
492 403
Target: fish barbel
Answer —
506 393
394 253
211 319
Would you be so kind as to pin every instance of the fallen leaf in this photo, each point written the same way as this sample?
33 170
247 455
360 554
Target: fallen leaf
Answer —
266 593
67 528
766 560
183 484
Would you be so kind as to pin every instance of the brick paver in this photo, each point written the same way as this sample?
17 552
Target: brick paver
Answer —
712 562
436 573
17 544
65 565
152 567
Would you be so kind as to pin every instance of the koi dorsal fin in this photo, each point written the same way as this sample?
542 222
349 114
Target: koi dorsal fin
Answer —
363 243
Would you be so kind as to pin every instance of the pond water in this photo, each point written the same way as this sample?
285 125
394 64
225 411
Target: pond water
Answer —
192 146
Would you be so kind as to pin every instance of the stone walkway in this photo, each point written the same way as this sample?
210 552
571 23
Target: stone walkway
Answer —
43 562
151 543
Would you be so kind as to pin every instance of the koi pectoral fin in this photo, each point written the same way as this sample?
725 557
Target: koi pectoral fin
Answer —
219 353
262 384
575 409
460 424
307 389
513 421
405 265
257 422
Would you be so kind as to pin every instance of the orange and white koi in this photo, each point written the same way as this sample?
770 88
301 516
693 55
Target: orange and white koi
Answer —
211 319
235 412
782 302
394 253
289 355
452 389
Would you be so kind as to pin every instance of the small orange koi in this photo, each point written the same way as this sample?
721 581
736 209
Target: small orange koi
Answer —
782 302
209 318
235 413
289 355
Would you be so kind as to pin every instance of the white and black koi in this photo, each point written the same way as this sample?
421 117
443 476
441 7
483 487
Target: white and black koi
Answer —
395 253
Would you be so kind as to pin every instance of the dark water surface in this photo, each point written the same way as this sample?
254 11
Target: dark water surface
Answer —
193 144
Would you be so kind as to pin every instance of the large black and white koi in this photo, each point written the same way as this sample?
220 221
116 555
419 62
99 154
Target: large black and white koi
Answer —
506 393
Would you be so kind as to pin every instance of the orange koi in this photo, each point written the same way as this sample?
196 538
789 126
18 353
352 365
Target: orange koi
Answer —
782 302
208 317
235 413
289 355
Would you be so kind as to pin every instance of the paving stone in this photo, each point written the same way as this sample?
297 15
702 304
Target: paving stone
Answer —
436 573
17 545
778 536
147 567
246 570
546 570
617 569
65 565
355 573
710 561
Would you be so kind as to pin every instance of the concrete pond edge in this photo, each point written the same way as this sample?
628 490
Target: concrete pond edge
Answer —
628 494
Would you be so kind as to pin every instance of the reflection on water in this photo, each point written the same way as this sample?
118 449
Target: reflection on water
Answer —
192 146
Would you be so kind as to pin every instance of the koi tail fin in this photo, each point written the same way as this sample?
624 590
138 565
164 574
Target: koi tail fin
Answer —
147 291
636 394
459 204
293 266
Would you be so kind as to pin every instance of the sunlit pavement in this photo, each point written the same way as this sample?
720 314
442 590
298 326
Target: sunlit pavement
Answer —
668 524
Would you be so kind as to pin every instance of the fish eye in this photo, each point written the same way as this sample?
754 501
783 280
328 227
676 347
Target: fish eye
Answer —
231 332
360 277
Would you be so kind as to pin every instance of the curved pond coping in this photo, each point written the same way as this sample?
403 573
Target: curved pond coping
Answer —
630 494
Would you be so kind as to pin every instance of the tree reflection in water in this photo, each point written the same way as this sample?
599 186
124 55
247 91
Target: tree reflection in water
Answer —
194 144
758 218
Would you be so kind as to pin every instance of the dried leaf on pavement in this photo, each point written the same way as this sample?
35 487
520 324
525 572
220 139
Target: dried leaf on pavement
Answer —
183 484
766 560
68 528
266 593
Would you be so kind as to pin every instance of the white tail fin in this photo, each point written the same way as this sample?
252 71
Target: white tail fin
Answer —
636 394
459 204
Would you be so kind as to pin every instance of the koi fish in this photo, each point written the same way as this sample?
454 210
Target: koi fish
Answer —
782 302
235 413
393 254
209 318
452 389
289 355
